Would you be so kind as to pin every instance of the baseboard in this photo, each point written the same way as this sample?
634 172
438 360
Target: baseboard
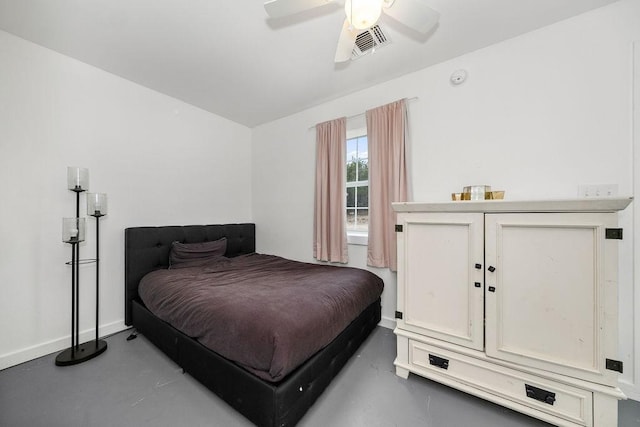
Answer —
387 322
39 350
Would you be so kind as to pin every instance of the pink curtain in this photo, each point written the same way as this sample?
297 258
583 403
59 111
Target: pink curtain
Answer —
329 220
386 131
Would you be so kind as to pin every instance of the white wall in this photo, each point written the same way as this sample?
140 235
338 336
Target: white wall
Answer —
631 299
538 115
159 160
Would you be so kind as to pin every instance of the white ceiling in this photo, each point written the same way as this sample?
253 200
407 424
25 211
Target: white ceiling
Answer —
227 57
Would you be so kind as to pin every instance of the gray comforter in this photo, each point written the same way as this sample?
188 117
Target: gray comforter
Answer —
266 313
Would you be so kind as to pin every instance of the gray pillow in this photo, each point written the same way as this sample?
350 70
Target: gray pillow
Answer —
196 254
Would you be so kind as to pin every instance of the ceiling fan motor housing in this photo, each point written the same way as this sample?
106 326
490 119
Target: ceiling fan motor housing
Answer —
363 14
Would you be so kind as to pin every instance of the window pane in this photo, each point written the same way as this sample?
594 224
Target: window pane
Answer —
357 174
351 171
351 218
363 159
363 148
362 219
363 196
352 149
351 197
363 170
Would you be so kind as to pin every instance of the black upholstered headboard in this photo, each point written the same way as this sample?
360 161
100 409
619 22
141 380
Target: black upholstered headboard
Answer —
147 249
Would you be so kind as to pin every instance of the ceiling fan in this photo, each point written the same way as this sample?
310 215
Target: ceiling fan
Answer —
361 15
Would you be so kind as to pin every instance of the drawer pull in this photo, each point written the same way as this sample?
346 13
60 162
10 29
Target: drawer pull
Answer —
540 394
438 361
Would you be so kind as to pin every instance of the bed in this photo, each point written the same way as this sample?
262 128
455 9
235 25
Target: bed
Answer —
264 401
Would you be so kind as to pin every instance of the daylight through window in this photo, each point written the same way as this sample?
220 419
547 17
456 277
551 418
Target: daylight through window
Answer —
357 184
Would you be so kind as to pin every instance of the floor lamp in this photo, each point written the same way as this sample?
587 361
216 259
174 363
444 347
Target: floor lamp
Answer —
73 232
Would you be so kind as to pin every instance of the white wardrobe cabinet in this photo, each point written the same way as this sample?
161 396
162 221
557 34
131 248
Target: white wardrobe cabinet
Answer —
515 302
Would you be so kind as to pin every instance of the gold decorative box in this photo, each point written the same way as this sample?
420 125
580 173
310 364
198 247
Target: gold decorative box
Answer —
478 192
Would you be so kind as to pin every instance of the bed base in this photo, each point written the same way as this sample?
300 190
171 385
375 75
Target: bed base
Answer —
264 403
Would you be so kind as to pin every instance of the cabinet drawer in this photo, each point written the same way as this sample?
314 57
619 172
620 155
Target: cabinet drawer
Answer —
561 400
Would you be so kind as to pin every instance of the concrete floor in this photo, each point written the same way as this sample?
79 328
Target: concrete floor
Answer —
134 384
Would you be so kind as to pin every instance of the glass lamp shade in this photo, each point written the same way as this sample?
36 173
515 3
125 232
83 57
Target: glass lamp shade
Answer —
96 204
73 230
363 14
77 178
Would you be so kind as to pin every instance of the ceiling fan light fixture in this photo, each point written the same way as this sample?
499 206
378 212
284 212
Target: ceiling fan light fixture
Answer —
363 14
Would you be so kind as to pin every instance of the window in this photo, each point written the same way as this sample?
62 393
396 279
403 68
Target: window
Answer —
357 178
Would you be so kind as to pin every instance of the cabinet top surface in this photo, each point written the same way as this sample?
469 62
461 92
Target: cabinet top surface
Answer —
609 204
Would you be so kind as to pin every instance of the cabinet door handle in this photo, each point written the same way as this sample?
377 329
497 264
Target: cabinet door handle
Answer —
477 284
492 288
491 268
478 266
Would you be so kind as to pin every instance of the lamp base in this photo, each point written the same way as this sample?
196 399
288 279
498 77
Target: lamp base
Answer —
81 353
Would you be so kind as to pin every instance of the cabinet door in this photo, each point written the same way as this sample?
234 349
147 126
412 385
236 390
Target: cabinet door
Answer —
439 284
551 292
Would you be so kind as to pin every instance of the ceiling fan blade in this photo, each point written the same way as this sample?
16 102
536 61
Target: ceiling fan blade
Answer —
346 42
415 14
282 8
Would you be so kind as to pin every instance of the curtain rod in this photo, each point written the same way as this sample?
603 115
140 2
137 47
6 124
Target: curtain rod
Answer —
362 114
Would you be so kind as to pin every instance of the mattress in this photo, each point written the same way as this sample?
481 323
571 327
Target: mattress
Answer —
266 313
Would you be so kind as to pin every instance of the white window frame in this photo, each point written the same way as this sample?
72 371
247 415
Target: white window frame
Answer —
356 237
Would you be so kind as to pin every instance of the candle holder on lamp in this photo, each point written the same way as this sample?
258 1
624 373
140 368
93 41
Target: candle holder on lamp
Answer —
73 232
97 208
